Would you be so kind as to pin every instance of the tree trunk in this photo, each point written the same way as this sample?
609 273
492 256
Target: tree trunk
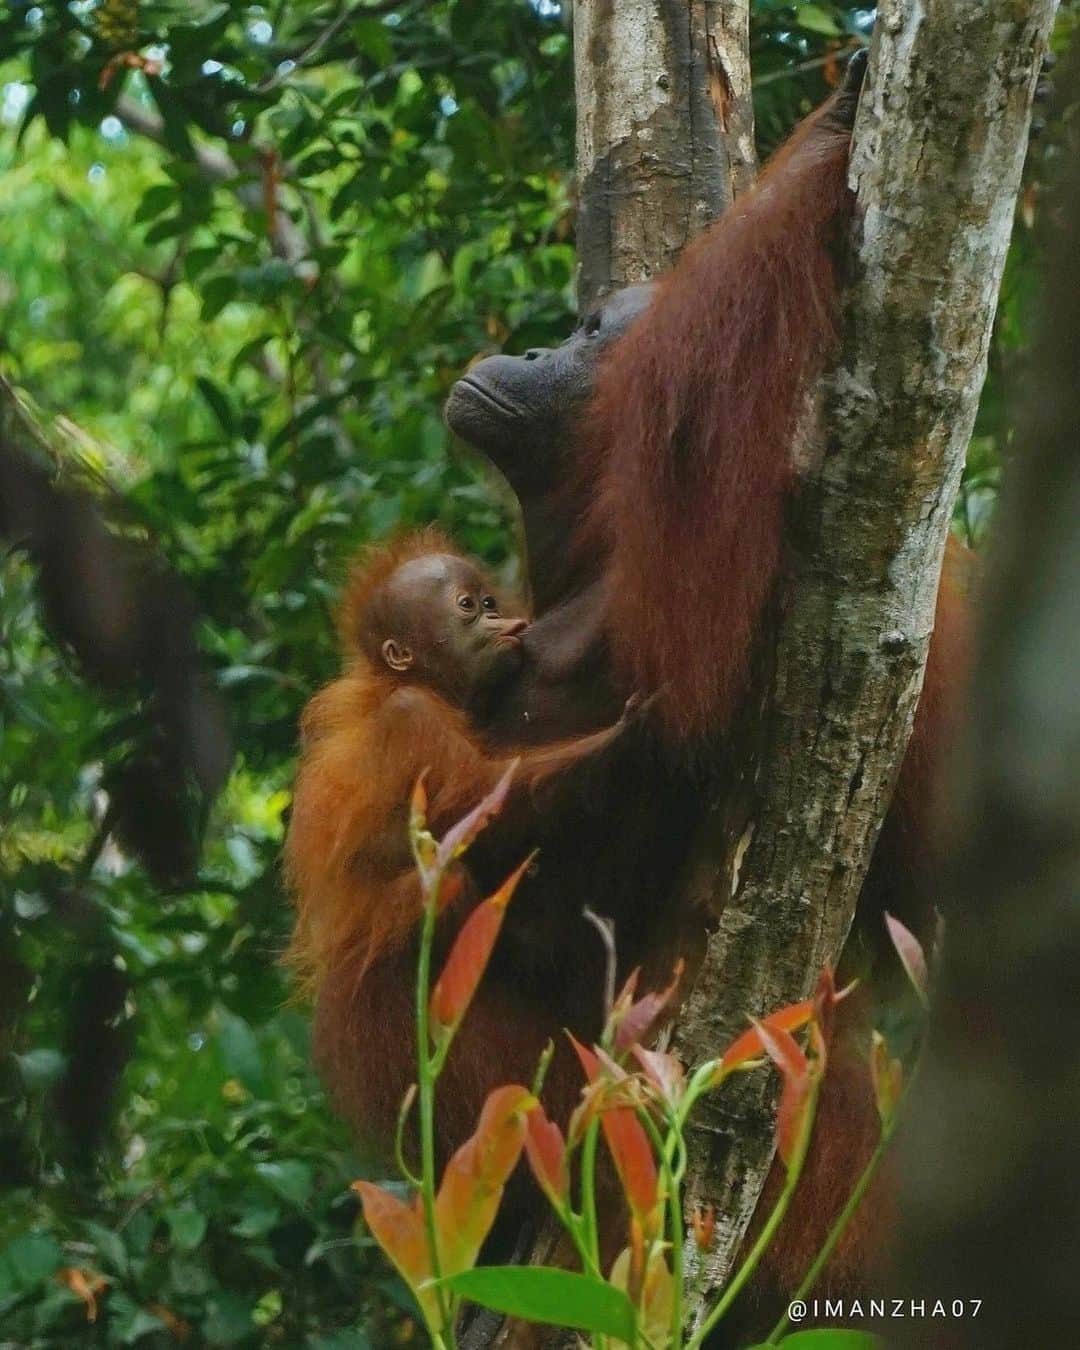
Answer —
991 1194
939 146
665 131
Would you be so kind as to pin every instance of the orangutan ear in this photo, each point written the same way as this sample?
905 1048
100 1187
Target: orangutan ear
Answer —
396 655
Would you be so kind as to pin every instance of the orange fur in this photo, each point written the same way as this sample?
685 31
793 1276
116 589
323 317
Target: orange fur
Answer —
370 572
366 738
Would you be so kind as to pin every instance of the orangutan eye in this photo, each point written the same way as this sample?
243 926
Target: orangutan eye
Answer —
591 325
490 604
466 603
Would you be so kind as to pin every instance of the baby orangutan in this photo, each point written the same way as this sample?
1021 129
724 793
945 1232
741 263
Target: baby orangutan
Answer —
424 644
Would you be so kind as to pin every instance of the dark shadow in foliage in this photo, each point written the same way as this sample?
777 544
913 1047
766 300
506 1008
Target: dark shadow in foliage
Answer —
129 623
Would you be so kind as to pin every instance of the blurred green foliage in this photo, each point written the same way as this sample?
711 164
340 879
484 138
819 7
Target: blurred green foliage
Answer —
244 250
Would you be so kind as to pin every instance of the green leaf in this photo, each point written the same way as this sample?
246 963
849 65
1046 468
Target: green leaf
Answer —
373 39
217 292
292 1180
186 1226
156 200
168 228
31 1258
556 1297
228 1318
816 20
110 1246
128 1322
218 402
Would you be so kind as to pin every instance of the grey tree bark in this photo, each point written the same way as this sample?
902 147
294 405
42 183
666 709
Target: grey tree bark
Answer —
991 1194
939 146
665 131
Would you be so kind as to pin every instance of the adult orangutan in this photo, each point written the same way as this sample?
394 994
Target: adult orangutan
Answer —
652 454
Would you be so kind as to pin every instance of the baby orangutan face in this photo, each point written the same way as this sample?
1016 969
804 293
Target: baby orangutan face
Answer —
441 626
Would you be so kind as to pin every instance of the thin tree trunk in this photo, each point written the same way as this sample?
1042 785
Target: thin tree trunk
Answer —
991 1192
665 131
939 146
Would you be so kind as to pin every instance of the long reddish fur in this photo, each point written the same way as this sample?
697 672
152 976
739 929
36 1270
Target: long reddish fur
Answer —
691 429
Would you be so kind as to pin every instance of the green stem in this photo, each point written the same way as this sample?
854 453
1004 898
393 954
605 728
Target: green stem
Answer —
590 1224
426 1076
664 1148
576 1228
836 1231
588 1192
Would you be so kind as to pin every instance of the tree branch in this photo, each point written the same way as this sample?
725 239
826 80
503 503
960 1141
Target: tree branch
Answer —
939 148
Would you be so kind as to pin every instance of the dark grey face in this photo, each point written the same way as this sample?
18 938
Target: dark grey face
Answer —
509 404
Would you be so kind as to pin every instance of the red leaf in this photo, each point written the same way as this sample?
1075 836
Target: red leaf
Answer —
418 805
632 1152
796 1101
474 1179
796 1098
749 1045
910 952
469 956
826 998
784 1050
458 838
664 1071
629 1145
399 1230
634 1024
626 994
545 1149
589 1061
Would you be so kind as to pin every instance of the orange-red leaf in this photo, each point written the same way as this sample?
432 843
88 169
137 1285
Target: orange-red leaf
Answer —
632 1152
910 952
458 838
418 805
625 996
796 1099
749 1045
627 1142
784 1050
469 956
826 999
398 1228
634 1022
792 1118
472 1185
545 1149
664 1071
589 1061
